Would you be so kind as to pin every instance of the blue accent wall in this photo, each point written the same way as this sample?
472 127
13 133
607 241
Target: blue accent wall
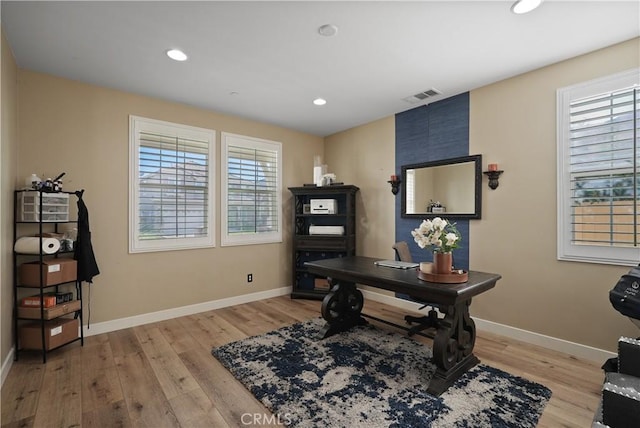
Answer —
429 133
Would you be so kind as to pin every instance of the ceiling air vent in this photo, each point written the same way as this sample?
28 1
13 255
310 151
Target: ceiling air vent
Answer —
421 96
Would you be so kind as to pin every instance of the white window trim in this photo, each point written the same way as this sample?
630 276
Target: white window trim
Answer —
566 250
136 125
247 239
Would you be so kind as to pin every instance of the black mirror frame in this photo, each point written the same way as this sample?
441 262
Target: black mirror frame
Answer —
477 159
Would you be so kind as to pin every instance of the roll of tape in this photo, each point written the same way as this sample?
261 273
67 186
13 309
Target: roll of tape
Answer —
31 245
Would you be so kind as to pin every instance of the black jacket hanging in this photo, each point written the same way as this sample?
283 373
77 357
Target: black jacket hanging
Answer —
87 266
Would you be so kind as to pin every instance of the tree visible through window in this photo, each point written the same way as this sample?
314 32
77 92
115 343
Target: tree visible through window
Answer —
599 180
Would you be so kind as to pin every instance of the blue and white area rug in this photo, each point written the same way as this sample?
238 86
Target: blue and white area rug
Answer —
368 377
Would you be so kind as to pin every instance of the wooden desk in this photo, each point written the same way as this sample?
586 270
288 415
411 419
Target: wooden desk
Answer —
456 332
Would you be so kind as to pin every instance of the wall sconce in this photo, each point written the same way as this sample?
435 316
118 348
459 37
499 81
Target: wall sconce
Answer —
493 173
395 184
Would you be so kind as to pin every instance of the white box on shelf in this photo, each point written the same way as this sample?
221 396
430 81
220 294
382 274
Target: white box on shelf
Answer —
55 207
326 230
324 206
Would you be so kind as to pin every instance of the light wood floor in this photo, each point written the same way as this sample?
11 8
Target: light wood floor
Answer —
163 374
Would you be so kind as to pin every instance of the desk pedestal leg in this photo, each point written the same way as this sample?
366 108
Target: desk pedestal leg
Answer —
342 308
453 347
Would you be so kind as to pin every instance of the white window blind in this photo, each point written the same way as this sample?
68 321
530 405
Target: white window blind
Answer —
410 186
600 216
604 161
252 188
171 186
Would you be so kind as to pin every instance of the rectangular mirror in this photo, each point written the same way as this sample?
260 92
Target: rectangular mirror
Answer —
449 188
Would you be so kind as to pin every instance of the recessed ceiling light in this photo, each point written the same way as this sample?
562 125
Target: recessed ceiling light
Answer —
319 101
328 30
525 6
177 55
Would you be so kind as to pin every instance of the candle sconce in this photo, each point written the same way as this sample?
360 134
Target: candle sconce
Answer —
395 184
493 175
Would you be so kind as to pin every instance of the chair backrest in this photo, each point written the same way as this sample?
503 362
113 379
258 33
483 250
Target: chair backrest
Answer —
402 251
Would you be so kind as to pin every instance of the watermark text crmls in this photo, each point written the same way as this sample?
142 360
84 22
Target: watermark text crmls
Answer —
260 419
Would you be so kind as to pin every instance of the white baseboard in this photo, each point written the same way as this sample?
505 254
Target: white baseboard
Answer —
6 365
549 342
571 348
118 324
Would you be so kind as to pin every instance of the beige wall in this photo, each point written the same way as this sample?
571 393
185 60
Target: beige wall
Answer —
8 149
83 130
365 156
513 123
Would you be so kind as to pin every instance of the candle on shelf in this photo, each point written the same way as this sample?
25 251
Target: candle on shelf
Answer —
493 167
394 178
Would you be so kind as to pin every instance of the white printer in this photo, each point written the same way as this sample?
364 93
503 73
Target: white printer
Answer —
324 206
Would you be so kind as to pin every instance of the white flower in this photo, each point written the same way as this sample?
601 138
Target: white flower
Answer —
437 233
425 227
451 238
439 224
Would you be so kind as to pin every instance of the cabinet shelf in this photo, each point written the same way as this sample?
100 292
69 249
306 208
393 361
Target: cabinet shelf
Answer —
320 215
36 287
59 253
328 235
54 348
52 312
308 247
46 222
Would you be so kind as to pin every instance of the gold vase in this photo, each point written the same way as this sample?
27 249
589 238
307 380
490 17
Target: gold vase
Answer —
442 263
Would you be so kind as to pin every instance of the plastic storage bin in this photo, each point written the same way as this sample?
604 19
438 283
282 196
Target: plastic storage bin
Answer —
55 207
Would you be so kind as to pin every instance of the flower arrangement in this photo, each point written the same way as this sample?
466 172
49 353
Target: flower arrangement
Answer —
437 233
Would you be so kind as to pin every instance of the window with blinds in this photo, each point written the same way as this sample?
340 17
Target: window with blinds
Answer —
171 186
600 154
251 182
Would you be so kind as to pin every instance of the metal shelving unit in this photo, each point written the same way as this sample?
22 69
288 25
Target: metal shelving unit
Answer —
47 217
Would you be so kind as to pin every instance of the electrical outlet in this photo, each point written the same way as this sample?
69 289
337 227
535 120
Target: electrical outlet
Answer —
250 277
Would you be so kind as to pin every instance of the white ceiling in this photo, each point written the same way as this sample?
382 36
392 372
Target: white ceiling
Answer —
266 61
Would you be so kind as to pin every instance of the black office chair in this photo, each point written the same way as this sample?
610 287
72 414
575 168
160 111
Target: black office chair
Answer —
428 321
